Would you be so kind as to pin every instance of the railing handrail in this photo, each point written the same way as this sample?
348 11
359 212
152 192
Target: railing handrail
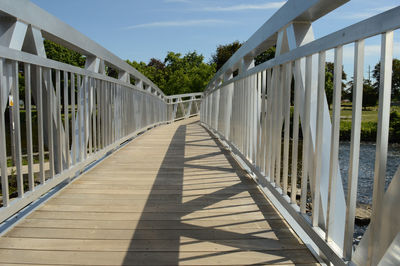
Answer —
387 21
254 115
54 29
81 113
266 36
25 57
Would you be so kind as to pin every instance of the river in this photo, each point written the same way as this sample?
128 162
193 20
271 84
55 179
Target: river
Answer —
366 174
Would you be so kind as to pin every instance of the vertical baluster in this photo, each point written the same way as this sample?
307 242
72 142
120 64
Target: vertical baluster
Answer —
249 92
240 115
50 140
306 135
94 110
80 118
256 113
268 126
109 110
17 131
253 117
264 121
354 148
3 147
107 114
85 116
28 121
66 121
274 127
286 105
102 110
59 122
279 105
385 84
258 123
333 167
39 110
112 113
90 113
319 138
73 121
98 94
295 143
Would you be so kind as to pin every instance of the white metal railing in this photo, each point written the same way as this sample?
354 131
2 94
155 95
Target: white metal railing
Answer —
71 116
251 113
184 105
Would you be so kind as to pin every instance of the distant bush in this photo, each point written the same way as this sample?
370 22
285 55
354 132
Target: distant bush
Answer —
368 130
394 131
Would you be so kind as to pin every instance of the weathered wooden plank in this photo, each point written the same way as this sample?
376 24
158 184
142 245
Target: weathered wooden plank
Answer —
163 208
154 258
185 244
150 234
100 224
132 216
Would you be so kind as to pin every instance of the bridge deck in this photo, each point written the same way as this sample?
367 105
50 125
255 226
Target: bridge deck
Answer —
172 196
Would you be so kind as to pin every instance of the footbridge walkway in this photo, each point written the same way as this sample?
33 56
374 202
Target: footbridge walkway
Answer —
99 167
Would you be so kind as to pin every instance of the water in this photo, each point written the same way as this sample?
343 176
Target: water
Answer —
366 168
366 174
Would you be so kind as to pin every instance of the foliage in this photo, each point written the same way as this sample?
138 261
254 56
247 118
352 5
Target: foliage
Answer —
376 73
225 51
370 94
368 130
394 126
178 74
265 56
21 83
59 53
329 75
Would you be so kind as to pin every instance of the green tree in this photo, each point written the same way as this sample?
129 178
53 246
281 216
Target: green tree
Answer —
177 74
329 75
59 53
225 51
370 93
265 56
376 73
187 74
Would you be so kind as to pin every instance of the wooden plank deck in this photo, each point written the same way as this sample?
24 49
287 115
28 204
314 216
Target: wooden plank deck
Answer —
172 196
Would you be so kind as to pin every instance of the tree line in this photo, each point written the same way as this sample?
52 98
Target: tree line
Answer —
177 73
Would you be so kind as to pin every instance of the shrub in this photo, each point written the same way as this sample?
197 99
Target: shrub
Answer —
394 127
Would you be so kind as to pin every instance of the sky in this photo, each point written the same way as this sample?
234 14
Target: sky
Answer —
141 30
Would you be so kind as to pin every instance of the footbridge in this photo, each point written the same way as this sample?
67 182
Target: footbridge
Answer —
101 169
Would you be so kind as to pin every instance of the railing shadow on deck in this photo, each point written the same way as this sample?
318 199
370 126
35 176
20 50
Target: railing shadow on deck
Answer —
174 230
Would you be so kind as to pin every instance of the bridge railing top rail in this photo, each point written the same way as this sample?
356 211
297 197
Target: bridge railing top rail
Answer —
386 21
32 23
266 36
285 124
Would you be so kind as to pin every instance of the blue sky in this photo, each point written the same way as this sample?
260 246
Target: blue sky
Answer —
139 30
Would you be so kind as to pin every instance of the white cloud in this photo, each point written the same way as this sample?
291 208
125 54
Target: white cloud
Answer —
383 8
270 5
182 23
367 13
